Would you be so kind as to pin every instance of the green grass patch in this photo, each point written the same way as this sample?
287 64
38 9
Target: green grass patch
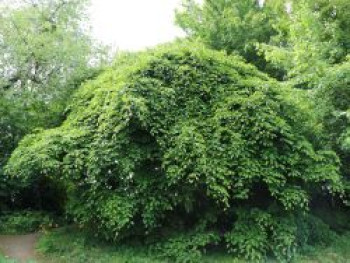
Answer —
338 252
70 245
4 259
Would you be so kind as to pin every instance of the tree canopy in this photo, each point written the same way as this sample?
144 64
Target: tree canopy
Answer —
225 141
46 52
236 26
43 45
178 139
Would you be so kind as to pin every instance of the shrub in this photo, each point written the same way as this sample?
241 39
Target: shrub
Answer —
178 138
24 222
185 247
249 237
258 234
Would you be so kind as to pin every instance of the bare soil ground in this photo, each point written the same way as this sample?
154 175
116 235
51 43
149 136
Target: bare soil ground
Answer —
19 247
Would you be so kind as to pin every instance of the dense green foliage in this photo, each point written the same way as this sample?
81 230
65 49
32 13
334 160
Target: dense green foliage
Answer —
333 96
234 141
44 56
237 26
245 19
314 53
310 40
71 246
24 222
175 147
43 45
299 44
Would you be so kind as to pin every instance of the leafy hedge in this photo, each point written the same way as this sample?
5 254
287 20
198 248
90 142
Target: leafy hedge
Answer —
181 143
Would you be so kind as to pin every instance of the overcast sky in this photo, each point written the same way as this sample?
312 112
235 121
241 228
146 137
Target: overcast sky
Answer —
134 24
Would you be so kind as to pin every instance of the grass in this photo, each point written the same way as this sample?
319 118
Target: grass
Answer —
338 252
4 259
67 245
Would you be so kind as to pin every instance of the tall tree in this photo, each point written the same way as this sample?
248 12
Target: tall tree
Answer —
307 44
43 44
46 51
236 26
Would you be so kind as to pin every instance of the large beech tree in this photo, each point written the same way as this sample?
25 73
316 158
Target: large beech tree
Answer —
184 145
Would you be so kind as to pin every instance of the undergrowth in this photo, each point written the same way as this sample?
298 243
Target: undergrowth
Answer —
23 222
73 246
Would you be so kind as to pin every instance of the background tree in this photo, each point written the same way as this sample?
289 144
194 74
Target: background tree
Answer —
43 45
236 26
308 42
45 53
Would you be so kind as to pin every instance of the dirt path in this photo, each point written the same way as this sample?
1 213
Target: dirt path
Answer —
21 248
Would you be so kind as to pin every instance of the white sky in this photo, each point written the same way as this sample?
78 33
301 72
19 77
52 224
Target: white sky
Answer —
134 24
